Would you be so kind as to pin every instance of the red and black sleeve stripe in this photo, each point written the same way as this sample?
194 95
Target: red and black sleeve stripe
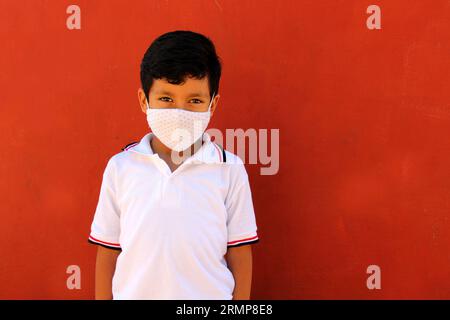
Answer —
241 242
109 245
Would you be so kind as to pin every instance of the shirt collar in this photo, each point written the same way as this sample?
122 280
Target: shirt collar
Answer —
209 152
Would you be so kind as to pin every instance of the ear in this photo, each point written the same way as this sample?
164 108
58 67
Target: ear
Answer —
143 100
214 104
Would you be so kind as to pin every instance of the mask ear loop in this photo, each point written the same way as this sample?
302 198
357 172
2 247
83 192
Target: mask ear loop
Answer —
209 108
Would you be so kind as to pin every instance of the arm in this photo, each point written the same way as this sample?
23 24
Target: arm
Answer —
104 271
239 261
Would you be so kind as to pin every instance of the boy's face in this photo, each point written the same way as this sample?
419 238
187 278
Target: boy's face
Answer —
192 95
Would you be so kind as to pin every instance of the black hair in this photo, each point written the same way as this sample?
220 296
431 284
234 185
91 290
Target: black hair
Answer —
179 54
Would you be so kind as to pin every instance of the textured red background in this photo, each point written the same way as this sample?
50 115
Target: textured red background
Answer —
364 119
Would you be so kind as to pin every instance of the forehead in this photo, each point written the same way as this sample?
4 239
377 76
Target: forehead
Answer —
189 87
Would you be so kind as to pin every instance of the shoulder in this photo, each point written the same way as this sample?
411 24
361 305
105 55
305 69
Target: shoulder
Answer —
237 170
232 158
118 158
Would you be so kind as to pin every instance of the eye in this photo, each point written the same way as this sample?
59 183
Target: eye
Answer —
196 101
166 99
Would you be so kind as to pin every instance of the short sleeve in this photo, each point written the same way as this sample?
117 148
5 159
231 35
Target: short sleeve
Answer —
105 227
241 221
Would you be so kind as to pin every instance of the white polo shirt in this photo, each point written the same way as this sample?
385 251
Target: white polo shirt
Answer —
173 228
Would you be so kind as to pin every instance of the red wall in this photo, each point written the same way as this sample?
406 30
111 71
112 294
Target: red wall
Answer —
364 119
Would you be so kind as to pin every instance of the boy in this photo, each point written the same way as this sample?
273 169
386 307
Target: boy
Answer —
175 218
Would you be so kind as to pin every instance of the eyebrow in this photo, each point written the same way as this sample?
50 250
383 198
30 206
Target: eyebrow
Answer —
195 94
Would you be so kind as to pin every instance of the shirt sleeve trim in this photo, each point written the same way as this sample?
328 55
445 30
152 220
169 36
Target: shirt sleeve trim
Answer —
246 240
104 243
243 243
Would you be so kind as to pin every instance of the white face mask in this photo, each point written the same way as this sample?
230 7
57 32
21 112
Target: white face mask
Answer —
178 129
